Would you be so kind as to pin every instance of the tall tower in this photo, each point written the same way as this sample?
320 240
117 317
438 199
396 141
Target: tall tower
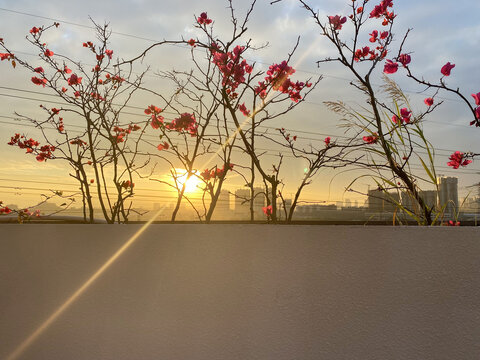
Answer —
448 194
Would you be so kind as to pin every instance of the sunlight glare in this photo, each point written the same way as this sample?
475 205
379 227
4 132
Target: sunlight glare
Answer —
192 184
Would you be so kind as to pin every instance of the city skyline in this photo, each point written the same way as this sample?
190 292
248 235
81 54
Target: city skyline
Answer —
16 86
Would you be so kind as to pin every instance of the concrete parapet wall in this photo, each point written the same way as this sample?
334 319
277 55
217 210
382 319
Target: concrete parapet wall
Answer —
201 292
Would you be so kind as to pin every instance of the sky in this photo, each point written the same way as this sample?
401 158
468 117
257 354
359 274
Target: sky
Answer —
441 32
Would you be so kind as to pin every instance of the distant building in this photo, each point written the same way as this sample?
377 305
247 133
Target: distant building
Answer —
428 196
222 208
242 203
284 207
448 194
381 201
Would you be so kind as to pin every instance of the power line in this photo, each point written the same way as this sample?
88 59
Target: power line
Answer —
188 47
270 152
143 115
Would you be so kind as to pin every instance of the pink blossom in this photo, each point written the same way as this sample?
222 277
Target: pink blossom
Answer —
203 19
404 59
372 139
337 21
109 53
74 80
244 110
163 146
38 81
268 210
458 159
405 115
428 101
447 68
390 67
477 98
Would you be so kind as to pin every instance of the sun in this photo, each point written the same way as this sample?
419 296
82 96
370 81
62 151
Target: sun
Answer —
192 184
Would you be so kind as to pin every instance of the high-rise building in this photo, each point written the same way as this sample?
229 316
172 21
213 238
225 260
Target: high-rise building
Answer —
428 196
381 201
448 194
242 203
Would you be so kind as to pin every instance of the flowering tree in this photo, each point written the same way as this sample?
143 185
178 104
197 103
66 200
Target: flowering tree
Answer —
240 99
28 213
102 153
458 158
393 132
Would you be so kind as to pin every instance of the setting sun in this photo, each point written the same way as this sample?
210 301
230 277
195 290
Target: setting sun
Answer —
192 184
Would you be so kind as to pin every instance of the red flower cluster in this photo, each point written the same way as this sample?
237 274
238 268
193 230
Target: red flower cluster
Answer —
452 223
120 133
244 109
458 159
268 210
390 67
327 141
38 81
278 78
5 210
371 139
6 56
404 59
109 53
97 96
32 146
78 142
186 122
336 22
405 116
232 67
382 10
127 184
477 110
45 152
374 36
447 68
287 135
476 97
363 53
34 30
428 101
163 146
28 213
60 126
203 19
48 53
74 80
114 79
208 174
156 119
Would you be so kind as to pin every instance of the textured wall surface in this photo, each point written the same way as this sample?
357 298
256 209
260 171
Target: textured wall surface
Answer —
240 292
